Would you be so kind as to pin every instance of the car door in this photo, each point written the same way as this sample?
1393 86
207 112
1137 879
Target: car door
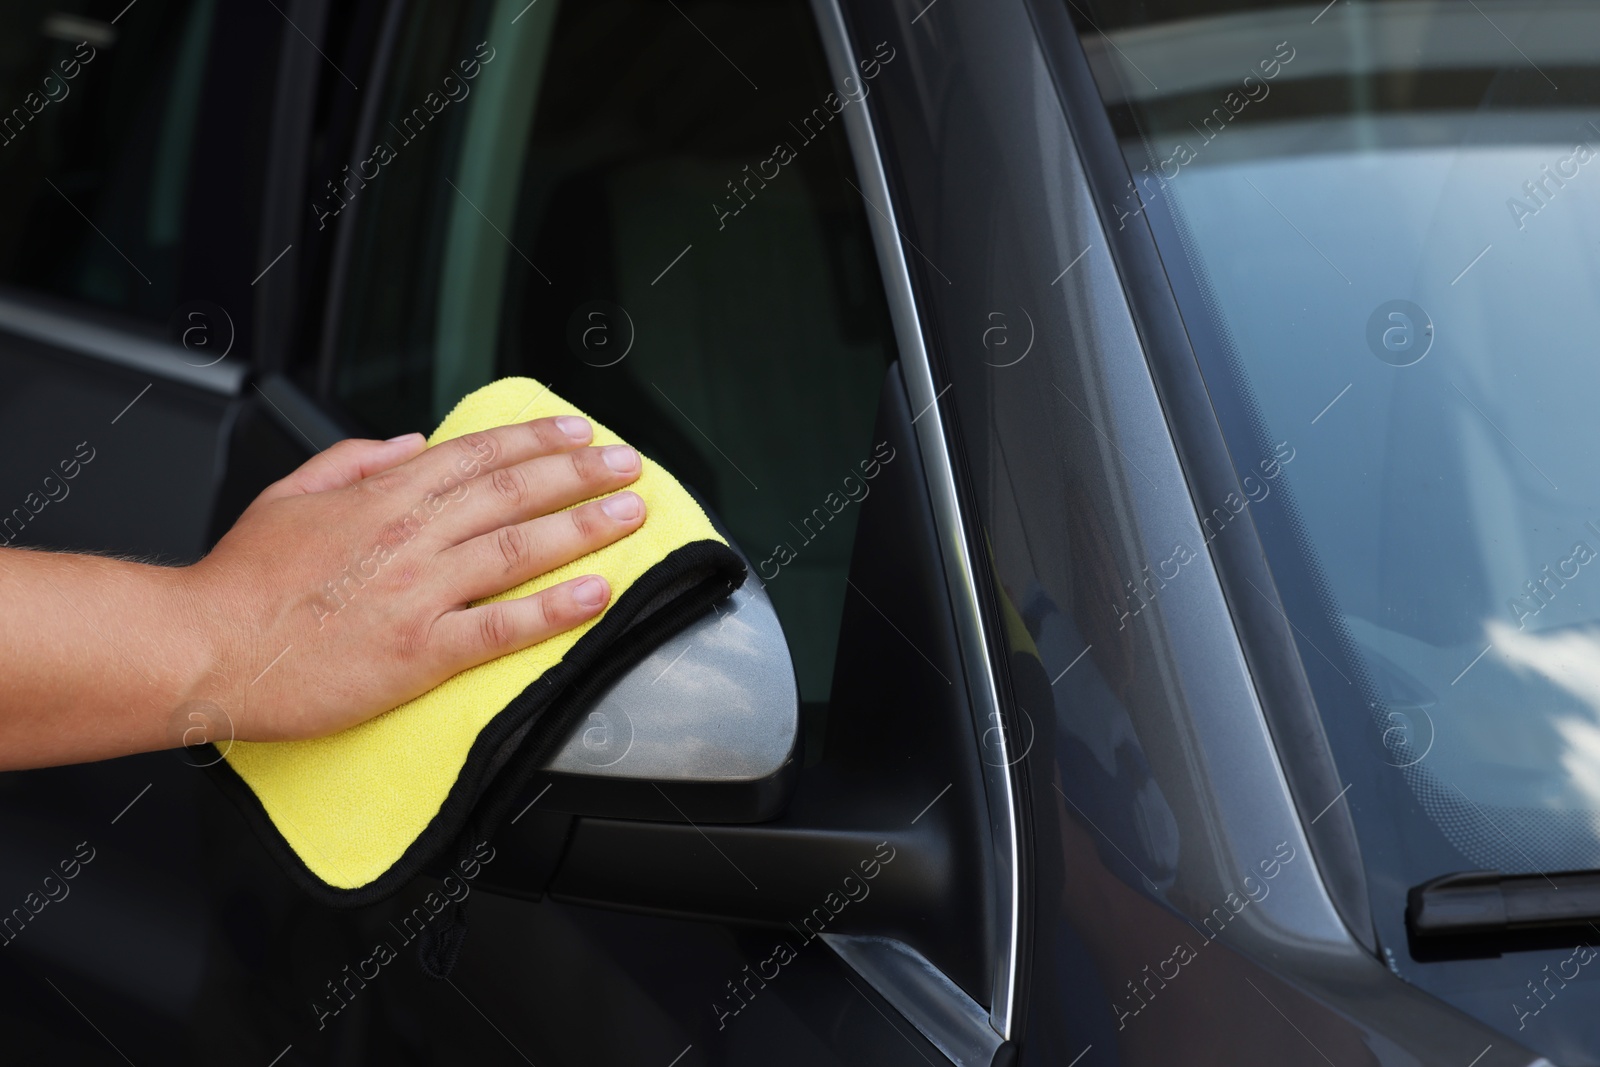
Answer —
674 215
134 147
684 248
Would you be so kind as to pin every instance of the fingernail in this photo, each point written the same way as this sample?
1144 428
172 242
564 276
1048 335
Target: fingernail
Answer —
402 437
574 427
590 592
623 507
620 458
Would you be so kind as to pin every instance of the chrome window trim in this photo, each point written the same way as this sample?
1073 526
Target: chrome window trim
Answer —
940 474
127 350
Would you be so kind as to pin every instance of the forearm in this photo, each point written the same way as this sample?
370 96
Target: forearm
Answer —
100 654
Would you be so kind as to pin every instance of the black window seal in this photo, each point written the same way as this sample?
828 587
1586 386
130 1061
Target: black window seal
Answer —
325 359
287 148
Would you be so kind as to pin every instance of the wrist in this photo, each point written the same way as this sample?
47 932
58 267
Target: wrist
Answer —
209 696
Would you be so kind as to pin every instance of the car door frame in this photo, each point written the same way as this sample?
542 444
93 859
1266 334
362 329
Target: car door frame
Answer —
966 1031
992 723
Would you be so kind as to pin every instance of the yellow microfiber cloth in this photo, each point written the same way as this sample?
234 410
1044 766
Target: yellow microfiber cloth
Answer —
356 815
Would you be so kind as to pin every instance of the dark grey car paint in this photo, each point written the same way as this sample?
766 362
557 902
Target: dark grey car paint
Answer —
993 205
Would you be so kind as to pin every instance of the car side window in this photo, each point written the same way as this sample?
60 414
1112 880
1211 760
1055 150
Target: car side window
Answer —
113 122
592 196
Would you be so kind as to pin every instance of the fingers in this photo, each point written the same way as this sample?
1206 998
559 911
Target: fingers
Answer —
474 454
499 498
476 635
501 559
345 463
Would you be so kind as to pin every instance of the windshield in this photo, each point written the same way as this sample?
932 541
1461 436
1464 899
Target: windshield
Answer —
1382 224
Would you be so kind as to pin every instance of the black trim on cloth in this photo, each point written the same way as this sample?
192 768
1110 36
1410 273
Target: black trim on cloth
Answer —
636 623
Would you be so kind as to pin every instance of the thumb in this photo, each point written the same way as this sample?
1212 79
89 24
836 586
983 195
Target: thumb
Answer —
345 463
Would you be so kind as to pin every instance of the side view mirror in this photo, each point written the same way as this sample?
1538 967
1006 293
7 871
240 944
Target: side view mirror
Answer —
680 793
713 715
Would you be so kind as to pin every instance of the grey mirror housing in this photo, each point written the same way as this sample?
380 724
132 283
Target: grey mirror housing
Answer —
704 728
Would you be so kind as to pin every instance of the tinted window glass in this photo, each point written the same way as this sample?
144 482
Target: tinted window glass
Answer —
112 121
595 198
1380 221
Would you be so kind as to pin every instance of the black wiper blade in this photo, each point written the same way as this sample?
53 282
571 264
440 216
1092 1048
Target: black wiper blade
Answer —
1479 903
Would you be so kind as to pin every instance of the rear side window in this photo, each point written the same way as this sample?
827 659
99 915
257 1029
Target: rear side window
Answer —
598 196
131 141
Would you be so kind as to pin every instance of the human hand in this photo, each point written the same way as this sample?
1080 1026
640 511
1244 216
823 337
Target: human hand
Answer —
345 589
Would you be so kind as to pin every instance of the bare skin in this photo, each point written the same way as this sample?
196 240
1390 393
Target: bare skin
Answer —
343 590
